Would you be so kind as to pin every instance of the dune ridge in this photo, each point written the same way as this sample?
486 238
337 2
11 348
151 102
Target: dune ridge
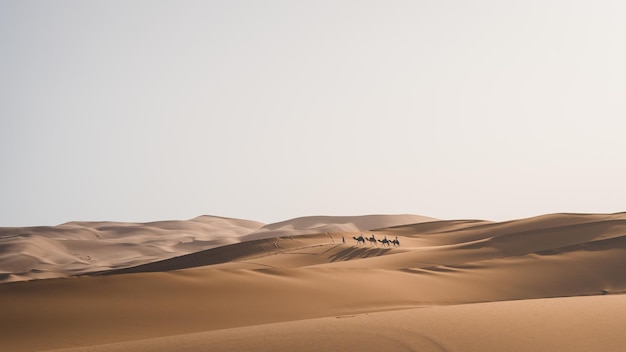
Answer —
477 273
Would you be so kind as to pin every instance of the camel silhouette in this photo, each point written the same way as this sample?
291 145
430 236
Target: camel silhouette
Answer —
372 240
384 241
359 239
395 242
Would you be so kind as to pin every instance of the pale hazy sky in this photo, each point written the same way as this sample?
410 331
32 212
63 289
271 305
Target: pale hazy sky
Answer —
268 110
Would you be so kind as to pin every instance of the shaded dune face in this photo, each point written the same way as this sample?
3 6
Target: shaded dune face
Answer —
312 276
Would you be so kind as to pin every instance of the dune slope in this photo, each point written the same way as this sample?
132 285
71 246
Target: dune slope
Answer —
512 326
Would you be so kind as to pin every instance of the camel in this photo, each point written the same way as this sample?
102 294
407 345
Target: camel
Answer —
372 240
384 241
359 239
395 242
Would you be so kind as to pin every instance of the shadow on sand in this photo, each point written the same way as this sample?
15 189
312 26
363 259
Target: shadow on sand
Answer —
355 252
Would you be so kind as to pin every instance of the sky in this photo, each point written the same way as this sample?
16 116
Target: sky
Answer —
127 110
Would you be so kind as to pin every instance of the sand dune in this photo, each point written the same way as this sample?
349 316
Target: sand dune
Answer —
76 248
323 224
79 248
499 326
478 285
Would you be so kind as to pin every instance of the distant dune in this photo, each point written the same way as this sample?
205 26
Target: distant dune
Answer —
76 248
322 224
553 283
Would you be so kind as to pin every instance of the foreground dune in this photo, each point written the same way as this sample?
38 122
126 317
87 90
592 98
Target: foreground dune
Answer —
559 324
477 285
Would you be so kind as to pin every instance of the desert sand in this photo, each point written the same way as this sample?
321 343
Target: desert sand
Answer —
549 283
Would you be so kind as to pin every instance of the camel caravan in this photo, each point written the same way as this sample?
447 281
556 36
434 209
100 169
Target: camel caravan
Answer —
373 241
